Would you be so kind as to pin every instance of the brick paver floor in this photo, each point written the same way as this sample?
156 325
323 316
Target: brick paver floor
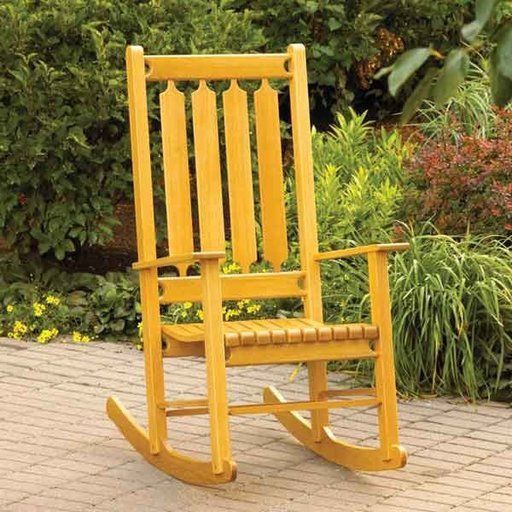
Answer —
59 452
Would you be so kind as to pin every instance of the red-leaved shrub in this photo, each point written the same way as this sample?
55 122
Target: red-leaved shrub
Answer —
464 182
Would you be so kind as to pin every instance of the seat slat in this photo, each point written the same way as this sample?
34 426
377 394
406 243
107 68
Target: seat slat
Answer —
278 331
176 173
240 187
209 186
270 171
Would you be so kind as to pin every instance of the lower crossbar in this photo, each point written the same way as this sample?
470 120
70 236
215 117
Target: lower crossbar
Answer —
237 410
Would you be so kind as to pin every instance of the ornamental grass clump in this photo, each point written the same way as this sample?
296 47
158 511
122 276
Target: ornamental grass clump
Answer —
452 310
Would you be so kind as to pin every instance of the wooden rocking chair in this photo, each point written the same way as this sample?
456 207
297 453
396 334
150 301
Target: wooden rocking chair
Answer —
246 342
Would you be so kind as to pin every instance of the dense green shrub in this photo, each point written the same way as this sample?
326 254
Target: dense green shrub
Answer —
358 178
64 150
340 34
359 174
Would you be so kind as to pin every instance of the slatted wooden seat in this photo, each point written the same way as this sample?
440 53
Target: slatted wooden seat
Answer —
264 332
250 342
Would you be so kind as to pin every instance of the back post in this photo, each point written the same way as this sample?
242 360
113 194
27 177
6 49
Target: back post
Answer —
306 210
146 245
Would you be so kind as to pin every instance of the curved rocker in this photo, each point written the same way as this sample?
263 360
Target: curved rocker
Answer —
170 461
350 456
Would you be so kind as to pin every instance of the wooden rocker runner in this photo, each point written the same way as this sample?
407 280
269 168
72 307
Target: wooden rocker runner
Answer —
267 341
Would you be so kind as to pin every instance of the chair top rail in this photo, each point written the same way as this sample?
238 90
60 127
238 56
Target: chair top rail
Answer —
217 67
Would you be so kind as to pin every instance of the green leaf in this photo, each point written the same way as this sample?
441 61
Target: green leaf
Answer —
405 66
452 75
483 11
420 93
383 72
501 85
333 24
504 51
60 253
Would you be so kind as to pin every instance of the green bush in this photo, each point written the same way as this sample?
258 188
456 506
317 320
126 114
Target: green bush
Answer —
359 175
64 149
91 304
340 34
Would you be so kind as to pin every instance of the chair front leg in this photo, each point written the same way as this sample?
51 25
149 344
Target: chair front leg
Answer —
153 359
215 364
384 365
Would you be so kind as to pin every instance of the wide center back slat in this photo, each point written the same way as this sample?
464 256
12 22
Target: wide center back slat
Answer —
209 185
270 169
238 153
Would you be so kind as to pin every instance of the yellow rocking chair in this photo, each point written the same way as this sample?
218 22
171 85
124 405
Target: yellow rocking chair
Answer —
266 341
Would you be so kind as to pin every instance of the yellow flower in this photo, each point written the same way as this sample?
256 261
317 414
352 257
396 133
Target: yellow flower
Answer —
243 303
54 301
19 329
230 268
9 308
39 308
187 305
200 314
231 313
47 334
253 308
80 338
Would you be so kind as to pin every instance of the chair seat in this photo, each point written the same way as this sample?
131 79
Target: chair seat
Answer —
274 331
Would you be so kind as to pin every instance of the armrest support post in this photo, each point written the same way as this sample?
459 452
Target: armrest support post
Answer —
384 367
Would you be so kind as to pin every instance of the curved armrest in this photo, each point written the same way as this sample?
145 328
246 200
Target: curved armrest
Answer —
357 251
167 261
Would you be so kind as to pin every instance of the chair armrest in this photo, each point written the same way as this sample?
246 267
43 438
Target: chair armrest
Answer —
358 251
167 261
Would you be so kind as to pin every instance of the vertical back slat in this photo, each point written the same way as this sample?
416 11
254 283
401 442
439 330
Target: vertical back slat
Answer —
176 173
270 171
241 197
209 185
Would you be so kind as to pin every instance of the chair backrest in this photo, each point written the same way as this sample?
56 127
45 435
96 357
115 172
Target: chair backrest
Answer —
290 67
